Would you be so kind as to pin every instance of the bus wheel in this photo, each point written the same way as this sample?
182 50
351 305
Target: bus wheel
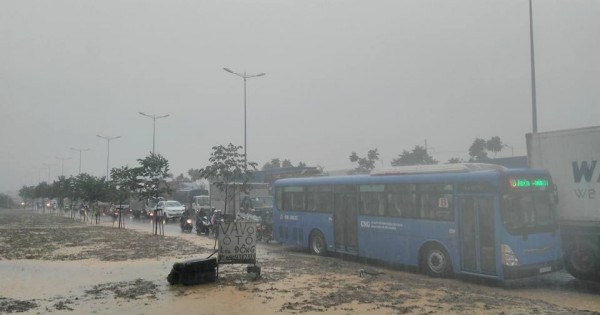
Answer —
317 243
436 262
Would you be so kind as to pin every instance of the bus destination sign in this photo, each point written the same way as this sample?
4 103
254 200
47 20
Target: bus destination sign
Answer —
524 183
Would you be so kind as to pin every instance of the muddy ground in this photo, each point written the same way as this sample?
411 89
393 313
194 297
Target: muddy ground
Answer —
58 265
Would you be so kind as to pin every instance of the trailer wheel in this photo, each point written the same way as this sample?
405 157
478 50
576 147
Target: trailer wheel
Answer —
436 262
317 243
580 263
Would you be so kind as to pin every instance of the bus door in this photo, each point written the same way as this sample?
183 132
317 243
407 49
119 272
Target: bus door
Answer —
345 219
478 251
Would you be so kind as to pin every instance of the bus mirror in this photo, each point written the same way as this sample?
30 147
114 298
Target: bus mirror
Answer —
554 194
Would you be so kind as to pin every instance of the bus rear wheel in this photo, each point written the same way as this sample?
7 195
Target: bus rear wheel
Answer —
436 262
317 243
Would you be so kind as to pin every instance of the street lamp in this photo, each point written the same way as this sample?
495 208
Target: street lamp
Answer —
107 138
533 92
244 76
154 118
48 166
62 167
80 150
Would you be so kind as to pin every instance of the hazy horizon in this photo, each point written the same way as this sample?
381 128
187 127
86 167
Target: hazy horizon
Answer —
341 76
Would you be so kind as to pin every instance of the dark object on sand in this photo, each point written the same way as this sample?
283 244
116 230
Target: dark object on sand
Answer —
195 271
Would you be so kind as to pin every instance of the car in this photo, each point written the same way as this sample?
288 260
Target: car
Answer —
171 208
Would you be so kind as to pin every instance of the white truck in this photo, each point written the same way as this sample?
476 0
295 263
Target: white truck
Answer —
573 159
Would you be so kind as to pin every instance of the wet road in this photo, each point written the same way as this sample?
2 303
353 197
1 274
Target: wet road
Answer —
557 281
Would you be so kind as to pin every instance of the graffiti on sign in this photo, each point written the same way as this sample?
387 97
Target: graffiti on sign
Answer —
237 242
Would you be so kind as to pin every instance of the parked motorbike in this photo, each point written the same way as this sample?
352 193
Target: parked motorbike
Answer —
186 224
203 226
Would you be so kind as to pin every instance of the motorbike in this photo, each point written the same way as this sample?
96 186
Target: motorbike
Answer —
186 224
203 226
264 232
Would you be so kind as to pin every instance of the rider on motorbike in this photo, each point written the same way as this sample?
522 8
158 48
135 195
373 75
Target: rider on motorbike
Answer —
185 222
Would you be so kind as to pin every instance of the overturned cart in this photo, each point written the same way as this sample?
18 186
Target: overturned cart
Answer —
236 245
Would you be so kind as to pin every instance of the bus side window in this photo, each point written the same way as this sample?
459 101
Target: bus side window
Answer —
287 201
394 205
298 201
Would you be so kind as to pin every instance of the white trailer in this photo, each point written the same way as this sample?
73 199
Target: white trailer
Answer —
573 159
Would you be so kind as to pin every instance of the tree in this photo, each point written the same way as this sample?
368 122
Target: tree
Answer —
278 163
195 174
62 189
286 163
455 160
90 188
152 176
365 164
6 201
477 150
27 193
275 163
125 183
418 156
228 166
494 145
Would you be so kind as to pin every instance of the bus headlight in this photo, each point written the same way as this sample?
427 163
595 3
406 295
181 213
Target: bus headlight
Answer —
508 256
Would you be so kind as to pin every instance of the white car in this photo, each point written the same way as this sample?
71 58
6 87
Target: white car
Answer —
171 208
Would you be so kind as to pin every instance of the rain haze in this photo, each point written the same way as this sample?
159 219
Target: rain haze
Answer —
341 76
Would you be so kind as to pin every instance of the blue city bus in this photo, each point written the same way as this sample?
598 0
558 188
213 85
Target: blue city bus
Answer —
476 219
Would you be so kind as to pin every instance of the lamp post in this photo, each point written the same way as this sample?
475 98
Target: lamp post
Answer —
48 166
107 138
80 150
154 118
512 149
533 92
245 76
62 165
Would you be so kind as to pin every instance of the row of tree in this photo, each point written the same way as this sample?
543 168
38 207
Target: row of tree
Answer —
149 177
147 180
478 152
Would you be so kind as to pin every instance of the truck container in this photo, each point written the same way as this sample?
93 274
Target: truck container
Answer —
572 157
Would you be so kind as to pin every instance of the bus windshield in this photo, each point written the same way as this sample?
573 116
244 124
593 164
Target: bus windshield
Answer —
528 212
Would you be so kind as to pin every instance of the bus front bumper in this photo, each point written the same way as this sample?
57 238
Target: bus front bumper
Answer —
517 272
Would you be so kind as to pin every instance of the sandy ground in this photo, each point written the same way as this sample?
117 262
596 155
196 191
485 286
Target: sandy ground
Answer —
51 264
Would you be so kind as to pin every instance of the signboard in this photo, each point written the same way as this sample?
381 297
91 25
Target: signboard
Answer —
237 242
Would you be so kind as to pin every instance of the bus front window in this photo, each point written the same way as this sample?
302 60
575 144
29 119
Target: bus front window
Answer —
528 212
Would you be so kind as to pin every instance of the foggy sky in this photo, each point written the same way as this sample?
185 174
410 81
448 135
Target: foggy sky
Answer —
342 76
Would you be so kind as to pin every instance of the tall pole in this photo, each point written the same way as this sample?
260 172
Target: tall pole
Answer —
80 150
533 92
108 138
48 166
245 76
62 167
245 125
154 118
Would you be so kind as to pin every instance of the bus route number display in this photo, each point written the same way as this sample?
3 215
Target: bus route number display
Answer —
237 242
